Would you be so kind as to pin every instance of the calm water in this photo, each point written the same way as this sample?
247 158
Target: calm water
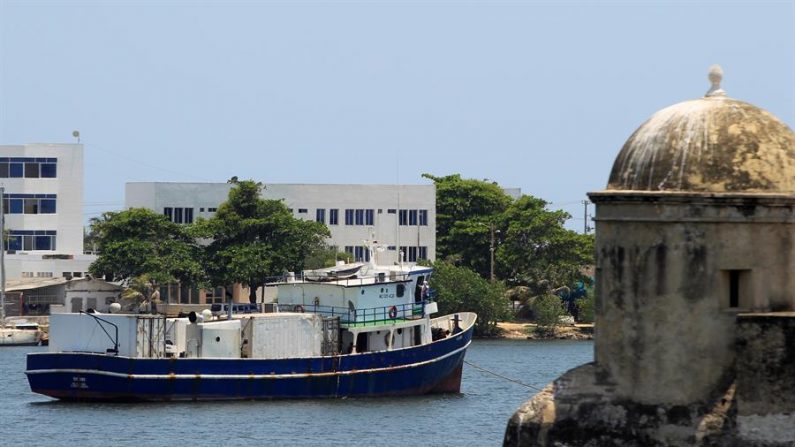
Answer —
476 417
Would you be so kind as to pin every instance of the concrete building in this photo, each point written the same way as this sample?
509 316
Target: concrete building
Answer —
42 296
695 255
43 204
402 217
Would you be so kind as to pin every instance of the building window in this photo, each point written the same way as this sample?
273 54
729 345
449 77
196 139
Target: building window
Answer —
29 203
16 170
302 210
215 295
391 211
333 216
403 217
369 217
212 210
412 217
348 217
28 167
47 206
48 170
423 217
27 274
361 254
31 170
44 274
359 217
737 289
412 254
29 240
179 215
320 215
31 206
201 210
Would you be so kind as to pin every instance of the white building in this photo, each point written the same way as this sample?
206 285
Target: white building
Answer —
43 205
403 217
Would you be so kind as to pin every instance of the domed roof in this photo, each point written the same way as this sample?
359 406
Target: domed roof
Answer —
712 144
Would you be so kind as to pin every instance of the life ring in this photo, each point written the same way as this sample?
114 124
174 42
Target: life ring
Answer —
299 308
393 312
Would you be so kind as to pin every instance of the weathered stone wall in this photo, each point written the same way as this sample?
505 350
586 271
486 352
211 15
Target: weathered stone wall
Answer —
766 375
581 409
664 332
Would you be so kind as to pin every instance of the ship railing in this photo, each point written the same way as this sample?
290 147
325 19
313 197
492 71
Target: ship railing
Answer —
358 280
363 316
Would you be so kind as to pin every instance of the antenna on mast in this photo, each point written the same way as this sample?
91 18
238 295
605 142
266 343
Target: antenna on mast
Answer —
397 226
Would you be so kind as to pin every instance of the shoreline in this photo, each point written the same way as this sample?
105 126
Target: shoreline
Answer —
526 331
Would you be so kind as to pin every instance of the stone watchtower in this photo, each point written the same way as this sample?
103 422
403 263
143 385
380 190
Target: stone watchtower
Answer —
696 227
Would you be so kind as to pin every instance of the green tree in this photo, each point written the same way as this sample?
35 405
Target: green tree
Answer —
140 244
254 239
459 289
537 251
586 306
548 310
467 212
532 246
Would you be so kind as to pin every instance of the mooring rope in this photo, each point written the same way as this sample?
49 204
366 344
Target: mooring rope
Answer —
501 376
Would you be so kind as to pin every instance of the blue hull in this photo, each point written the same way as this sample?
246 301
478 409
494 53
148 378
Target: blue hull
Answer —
435 367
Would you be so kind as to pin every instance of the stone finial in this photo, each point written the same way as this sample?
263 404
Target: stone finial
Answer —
715 76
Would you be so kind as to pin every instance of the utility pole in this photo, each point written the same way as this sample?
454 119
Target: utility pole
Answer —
491 249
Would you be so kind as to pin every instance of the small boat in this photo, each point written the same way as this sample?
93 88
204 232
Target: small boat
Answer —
20 333
368 334
339 271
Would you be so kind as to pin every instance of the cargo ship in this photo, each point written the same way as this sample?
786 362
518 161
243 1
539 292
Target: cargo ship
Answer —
345 331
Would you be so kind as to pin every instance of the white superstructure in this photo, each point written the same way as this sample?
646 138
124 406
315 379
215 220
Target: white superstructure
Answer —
400 217
43 205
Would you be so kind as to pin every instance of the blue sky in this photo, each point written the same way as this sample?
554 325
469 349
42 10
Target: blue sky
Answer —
539 95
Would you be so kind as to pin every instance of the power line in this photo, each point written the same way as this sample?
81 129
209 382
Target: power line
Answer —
501 376
124 157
